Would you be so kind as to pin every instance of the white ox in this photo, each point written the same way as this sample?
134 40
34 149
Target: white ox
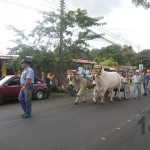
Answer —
80 84
106 82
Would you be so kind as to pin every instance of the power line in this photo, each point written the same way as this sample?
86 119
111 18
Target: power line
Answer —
115 36
103 5
24 6
46 4
21 5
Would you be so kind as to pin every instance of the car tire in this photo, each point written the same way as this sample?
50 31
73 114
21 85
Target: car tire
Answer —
39 95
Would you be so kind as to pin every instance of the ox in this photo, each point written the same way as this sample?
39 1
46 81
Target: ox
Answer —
79 83
106 82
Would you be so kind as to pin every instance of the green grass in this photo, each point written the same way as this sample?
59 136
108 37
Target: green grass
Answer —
58 94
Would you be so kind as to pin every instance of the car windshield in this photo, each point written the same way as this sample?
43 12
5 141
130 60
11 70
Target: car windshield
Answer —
3 80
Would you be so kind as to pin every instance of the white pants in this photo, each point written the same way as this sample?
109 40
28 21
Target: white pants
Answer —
138 88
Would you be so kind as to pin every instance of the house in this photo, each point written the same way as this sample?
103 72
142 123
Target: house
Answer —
86 64
3 59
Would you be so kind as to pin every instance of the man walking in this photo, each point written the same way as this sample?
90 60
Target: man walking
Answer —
137 83
26 80
145 79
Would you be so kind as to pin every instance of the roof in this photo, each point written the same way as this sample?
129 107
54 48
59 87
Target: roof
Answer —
83 61
6 57
112 68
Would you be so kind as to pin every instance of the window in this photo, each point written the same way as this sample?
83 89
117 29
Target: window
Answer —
15 82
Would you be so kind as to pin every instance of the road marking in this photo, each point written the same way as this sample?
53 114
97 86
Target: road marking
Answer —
103 138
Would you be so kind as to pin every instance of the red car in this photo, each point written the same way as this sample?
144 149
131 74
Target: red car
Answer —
10 88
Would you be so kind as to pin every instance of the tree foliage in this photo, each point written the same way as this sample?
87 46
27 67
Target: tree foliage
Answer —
122 55
144 3
43 43
109 62
144 58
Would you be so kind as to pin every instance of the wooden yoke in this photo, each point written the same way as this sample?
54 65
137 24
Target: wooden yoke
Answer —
71 72
95 72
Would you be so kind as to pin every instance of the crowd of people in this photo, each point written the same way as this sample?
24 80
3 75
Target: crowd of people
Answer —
140 78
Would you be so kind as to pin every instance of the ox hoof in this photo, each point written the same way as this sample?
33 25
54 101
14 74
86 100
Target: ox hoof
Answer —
95 103
76 103
110 102
84 101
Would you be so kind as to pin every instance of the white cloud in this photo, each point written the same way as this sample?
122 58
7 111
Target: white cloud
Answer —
124 21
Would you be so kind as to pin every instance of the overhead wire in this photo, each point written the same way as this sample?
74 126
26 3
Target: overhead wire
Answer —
56 4
21 5
103 5
25 6
108 32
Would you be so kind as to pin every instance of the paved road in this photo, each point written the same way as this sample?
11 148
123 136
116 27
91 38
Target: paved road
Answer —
58 124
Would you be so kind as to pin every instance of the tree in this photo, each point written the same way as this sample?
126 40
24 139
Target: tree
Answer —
109 63
129 56
43 43
122 55
143 3
144 58
76 32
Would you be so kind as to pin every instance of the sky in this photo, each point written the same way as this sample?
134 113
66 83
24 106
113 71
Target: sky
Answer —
125 23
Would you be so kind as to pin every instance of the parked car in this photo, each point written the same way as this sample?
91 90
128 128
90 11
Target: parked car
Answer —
10 88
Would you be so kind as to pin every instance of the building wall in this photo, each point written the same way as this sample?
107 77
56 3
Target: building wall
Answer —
2 68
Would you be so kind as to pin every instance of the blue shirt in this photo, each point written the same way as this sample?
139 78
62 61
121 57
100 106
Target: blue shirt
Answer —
145 78
27 74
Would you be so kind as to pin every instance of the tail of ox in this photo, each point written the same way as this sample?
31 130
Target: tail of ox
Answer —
106 82
79 83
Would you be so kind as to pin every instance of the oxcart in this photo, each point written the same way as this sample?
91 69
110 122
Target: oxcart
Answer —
125 88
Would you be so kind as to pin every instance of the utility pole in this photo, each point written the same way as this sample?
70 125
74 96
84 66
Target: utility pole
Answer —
62 8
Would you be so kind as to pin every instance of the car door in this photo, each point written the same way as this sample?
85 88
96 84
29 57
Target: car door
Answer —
13 88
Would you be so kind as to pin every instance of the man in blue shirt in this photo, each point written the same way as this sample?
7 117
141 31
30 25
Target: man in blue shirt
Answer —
26 80
145 79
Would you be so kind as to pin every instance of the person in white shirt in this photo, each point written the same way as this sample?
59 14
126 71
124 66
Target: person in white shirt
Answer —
137 83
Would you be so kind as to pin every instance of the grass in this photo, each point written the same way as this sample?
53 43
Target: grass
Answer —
58 94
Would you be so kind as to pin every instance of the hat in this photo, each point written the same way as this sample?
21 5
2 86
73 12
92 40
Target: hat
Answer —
137 71
25 61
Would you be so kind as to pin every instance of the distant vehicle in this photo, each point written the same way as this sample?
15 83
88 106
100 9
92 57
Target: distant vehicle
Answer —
10 88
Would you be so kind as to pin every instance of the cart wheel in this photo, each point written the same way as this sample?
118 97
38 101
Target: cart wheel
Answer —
126 92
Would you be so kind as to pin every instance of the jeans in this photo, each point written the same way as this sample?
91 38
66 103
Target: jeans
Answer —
72 90
49 89
138 88
25 100
145 86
